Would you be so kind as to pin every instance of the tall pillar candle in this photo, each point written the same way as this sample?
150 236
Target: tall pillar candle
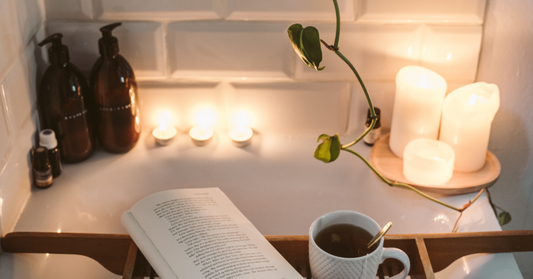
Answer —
417 107
466 121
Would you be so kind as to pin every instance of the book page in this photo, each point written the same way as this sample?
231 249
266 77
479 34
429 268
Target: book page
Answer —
143 242
201 234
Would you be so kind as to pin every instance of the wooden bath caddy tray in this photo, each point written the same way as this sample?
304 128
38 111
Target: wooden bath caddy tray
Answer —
428 253
390 166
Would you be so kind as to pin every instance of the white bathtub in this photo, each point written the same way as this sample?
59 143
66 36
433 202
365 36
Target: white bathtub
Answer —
275 182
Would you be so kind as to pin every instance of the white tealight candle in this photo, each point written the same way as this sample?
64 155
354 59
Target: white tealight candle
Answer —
201 135
428 162
241 135
203 131
467 116
165 133
417 106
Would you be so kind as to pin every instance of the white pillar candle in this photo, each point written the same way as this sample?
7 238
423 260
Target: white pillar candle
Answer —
428 162
417 106
466 120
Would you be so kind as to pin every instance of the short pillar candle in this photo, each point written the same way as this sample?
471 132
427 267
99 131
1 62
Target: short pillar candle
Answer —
467 116
417 106
428 162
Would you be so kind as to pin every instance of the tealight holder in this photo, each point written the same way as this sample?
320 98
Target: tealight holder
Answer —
241 136
164 133
164 137
201 135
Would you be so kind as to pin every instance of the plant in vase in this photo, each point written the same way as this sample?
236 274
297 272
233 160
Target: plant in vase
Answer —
306 43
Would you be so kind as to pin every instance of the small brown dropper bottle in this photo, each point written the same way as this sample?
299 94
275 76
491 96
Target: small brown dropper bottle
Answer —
42 171
373 135
47 138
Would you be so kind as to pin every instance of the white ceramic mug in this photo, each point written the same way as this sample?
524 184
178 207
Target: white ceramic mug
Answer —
328 266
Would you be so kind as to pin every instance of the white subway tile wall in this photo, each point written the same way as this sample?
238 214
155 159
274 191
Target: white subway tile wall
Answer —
5 133
20 90
69 9
22 24
318 10
229 49
227 41
161 10
434 11
232 55
293 108
452 51
141 43
11 41
376 51
30 15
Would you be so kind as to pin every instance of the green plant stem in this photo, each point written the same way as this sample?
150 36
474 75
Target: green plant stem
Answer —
368 99
338 28
398 184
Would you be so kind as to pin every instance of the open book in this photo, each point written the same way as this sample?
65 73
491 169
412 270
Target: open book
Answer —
200 233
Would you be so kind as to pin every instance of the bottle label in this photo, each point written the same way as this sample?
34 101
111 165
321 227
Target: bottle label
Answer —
70 117
372 136
119 108
43 178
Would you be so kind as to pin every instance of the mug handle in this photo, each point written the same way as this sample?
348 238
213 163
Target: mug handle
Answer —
399 255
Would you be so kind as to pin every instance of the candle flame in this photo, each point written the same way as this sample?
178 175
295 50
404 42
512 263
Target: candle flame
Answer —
205 118
449 56
241 120
409 51
164 121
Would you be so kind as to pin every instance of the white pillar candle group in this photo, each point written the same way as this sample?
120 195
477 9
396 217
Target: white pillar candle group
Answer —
466 121
417 107
464 118
428 162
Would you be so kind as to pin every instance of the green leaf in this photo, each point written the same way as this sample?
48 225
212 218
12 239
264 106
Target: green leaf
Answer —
329 149
306 43
504 218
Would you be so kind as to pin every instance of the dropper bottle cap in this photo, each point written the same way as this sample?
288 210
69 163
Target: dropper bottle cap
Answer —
58 52
108 44
47 138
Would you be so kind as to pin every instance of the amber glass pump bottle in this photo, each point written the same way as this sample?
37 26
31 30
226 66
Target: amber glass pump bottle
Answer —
62 105
115 94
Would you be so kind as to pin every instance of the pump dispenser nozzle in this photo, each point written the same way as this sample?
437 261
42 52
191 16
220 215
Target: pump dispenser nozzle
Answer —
58 52
108 44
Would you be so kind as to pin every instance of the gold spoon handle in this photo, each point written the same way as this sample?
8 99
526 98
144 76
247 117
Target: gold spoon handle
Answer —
378 236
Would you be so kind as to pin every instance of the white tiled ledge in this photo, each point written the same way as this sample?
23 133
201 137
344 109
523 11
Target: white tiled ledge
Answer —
275 182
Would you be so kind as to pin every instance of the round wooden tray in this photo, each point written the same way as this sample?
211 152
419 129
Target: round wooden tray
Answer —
390 166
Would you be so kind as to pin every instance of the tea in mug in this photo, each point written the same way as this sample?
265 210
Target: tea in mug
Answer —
345 240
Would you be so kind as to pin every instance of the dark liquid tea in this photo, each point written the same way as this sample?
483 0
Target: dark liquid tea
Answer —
345 240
